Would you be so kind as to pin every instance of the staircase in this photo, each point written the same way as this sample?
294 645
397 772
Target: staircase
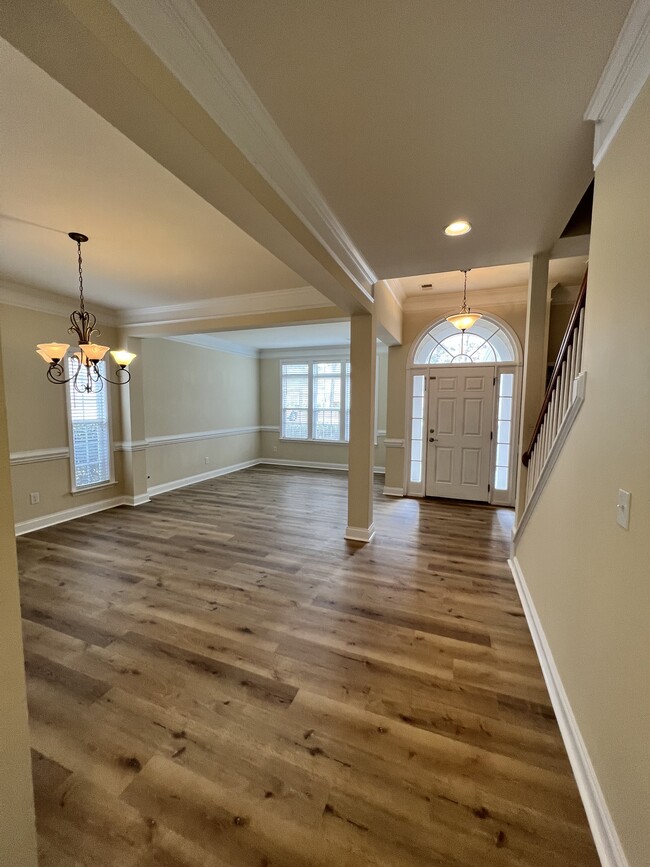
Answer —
562 401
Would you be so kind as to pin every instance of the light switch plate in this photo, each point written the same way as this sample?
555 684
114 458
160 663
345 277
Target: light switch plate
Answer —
623 509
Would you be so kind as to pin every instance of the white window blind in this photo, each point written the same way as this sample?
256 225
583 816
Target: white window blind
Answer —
327 401
347 401
90 434
295 401
315 400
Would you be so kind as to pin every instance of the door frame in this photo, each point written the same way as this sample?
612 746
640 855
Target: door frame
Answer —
495 497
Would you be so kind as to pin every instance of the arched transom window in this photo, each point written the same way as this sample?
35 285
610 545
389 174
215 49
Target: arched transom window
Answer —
444 344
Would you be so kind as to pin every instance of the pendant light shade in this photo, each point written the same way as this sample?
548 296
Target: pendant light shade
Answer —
465 318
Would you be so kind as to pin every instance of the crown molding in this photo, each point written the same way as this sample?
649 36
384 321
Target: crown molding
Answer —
308 353
624 75
30 298
209 341
280 300
181 36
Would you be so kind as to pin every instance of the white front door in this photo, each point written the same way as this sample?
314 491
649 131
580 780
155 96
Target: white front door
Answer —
461 403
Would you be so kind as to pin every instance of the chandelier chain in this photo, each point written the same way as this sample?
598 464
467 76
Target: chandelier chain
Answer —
81 279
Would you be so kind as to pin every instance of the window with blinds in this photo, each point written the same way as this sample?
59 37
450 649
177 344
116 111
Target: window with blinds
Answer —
315 400
90 439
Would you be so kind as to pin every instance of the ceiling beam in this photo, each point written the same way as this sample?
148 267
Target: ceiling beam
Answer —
89 48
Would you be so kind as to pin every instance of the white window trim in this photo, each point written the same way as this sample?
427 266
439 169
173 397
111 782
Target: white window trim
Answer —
334 358
74 488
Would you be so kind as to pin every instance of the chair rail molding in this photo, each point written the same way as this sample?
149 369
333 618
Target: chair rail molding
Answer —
182 37
37 456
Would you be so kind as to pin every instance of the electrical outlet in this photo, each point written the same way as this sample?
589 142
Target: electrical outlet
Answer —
207 460
34 498
275 448
623 509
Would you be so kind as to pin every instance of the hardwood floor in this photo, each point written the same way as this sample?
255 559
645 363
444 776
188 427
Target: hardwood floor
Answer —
218 678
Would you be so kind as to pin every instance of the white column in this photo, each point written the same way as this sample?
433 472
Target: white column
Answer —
134 458
363 364
535 352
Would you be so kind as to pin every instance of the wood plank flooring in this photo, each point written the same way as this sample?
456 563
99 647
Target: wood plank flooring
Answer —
218 678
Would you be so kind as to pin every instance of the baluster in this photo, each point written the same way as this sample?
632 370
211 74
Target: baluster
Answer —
565 390
547 425
533 473
557 398
574 364
569 368
580 330
553 413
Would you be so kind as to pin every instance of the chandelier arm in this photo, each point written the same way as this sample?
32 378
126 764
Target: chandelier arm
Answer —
118 373
56 374
83 325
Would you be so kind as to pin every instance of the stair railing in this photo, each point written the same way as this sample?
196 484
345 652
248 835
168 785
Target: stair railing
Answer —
564 394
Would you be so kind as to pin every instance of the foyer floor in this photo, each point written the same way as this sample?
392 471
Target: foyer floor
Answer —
218 678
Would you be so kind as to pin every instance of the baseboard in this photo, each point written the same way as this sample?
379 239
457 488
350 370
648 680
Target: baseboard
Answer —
360 534
310 465
155 490
140 500
393 492
313 465
600 821
44 521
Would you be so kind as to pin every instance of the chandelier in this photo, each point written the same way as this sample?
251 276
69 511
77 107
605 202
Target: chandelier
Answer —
465 319
87 374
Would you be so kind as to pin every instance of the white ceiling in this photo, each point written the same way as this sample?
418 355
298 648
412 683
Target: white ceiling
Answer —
153 241
405 120
410 115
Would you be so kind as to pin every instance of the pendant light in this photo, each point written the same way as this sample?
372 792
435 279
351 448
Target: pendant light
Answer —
87 375
465 319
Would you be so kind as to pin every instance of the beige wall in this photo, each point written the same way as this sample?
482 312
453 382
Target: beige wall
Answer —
36 413
274 448
191 390
591 586
17 831
414 323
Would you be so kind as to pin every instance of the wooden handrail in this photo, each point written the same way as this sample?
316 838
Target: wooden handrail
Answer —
561 358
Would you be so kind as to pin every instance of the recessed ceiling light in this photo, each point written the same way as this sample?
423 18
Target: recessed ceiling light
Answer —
458 227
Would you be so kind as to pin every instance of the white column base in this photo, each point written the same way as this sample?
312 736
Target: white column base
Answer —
360 534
